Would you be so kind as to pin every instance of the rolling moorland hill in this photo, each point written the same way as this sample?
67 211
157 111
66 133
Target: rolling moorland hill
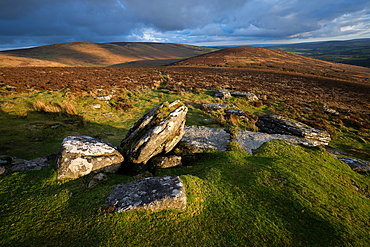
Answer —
274 60
105 54
355 52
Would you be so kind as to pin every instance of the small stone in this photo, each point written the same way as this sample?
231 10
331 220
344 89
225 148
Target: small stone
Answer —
165 162
237 112
223 94
248 96
215 106
105 97
96 106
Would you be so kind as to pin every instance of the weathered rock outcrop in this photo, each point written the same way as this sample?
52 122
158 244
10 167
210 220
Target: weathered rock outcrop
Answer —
157 131
274 124
215 106
249 140
201 138
81 155
223 94
248 96
154 193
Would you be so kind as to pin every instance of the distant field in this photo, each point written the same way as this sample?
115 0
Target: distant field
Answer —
354 52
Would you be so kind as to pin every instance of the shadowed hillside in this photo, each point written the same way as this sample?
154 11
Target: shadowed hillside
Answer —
107 54
273 60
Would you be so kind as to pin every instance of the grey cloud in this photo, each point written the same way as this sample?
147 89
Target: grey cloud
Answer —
185 21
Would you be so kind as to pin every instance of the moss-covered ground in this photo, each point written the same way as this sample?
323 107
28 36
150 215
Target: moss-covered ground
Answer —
283 195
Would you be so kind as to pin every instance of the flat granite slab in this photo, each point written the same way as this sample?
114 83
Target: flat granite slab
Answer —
249 140
203 138
153 193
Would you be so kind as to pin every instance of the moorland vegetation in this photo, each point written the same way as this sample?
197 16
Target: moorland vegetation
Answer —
282 195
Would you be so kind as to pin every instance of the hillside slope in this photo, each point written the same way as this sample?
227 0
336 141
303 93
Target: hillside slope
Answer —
92 54
268 59
355 52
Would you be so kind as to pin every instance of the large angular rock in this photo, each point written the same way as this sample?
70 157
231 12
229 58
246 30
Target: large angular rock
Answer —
274 124
154 193
81 155
157 131
249 140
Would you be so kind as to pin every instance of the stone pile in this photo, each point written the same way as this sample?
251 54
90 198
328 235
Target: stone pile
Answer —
274 124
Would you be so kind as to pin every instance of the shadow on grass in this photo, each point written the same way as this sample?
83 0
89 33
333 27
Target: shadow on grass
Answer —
233 199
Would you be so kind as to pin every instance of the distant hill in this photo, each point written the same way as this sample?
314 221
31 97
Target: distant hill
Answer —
355 52
106 54
276 60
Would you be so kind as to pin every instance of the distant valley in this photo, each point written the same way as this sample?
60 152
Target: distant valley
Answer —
355 52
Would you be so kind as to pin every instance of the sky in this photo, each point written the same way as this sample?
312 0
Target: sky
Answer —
27 23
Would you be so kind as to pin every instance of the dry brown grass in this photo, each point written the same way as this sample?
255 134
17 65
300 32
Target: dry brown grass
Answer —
66 108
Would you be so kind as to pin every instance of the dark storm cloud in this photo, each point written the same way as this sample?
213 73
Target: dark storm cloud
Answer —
185 21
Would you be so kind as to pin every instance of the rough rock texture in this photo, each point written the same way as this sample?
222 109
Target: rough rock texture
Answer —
356 165
215 106
81 155
154 193
249 140
223 93
9 163
157 131
237 112
201 138
165 162
274 124
248 96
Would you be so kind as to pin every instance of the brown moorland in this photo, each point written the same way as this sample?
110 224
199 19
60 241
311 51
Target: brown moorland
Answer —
105 54
336 93
274 60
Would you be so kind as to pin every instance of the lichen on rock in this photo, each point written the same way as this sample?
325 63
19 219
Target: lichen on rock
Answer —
81 155
153 193
157 131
